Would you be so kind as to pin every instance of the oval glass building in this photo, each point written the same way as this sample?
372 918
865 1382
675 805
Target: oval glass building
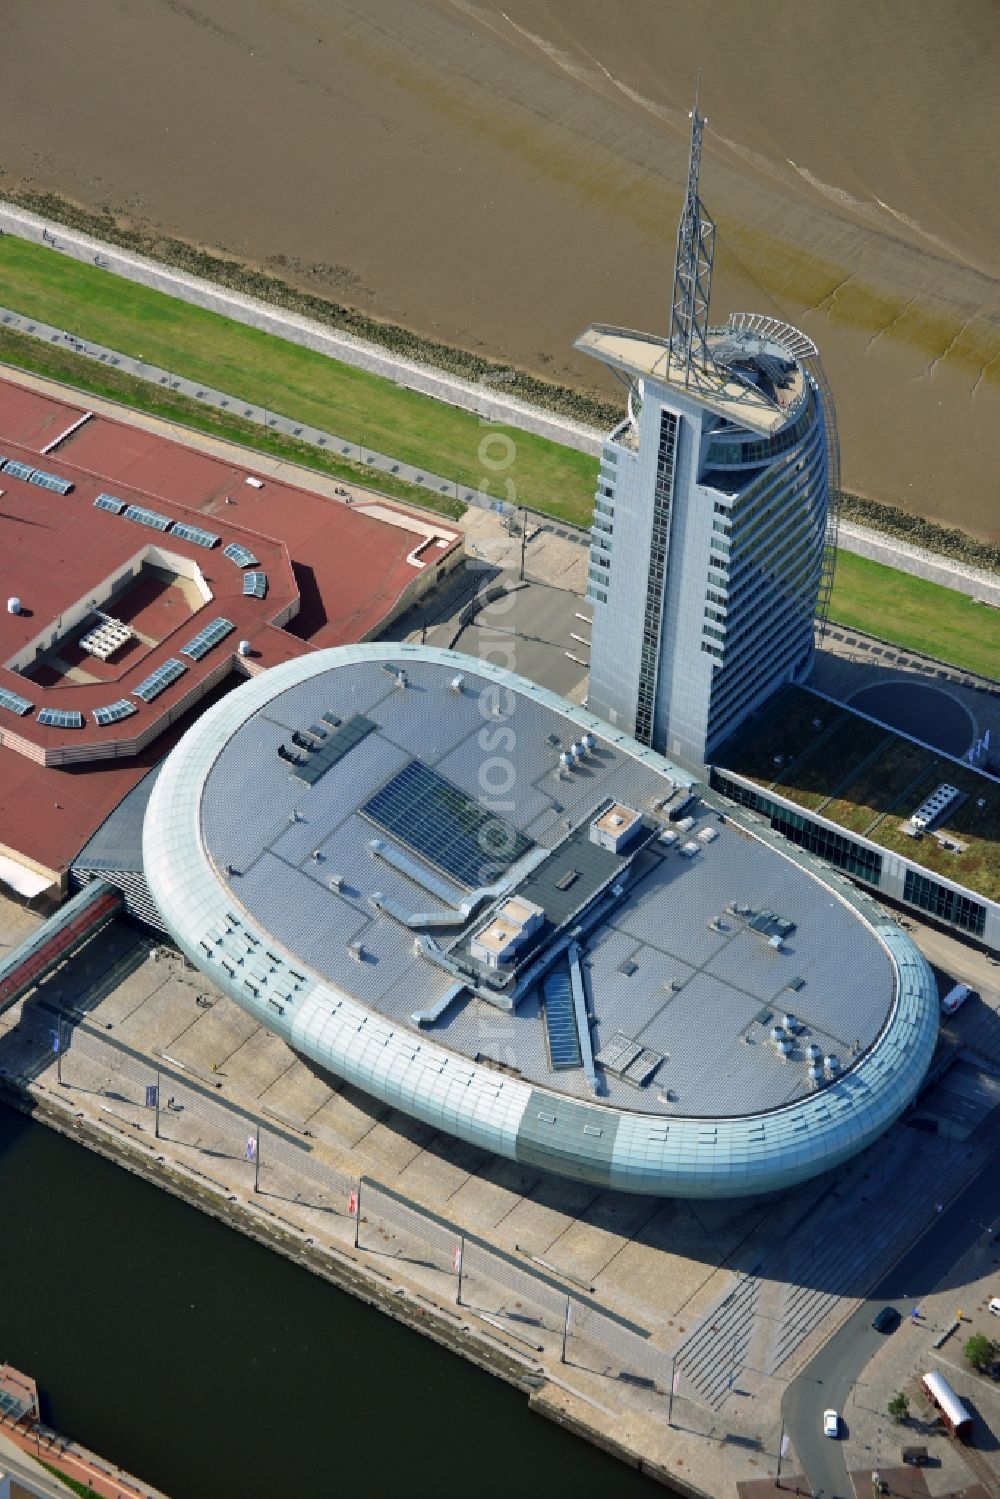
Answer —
478 903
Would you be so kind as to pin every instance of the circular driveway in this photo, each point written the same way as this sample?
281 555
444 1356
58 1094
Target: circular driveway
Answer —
927 713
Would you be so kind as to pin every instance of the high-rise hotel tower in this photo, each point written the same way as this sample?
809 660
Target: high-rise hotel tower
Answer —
714 536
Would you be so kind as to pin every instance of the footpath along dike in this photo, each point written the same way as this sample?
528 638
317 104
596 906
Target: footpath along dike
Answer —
946 560
340 1269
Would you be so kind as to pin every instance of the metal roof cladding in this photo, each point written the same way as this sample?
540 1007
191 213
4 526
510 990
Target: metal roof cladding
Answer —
353 944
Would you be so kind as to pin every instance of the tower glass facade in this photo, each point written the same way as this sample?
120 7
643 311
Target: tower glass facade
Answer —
712 543
706 560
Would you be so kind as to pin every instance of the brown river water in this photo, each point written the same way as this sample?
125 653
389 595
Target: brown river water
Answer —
497 175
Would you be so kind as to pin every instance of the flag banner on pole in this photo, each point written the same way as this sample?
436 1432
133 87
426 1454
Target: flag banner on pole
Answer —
677 1380
55 1040
151 1095
352 1205
251 1148
456 1258
786 1442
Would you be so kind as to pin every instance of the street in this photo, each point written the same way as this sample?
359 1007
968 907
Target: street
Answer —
829 1379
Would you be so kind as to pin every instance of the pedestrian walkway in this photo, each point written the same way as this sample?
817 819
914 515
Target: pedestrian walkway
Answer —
273 421
20 1423
486 397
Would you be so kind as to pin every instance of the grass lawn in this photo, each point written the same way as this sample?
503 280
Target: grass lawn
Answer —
83 1489
298 383
373 411
917 615
82 374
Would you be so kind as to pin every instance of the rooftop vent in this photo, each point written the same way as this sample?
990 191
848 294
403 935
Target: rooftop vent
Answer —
13 606
457 683
832 1064
816 1072
813 1052
934 806
790 1023
589 743
356 950
401 678
245 648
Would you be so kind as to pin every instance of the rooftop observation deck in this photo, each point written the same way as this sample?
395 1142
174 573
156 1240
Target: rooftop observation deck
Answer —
644 356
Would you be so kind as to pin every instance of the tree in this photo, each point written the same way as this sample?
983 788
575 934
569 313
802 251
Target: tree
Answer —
979 1351
899 1407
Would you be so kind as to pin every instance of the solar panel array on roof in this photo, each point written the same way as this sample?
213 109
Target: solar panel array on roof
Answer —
114 712
159 680
255 585
203 642
194 534
50 481
109 502
331 745
61 718
241 555
143 517
14 703
446 827
18 470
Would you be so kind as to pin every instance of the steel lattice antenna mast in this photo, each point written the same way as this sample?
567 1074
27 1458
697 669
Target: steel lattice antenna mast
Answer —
693 270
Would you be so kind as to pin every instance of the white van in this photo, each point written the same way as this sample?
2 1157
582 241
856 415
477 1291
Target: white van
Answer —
955 998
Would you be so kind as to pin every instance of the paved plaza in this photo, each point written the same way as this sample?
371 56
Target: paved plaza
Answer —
735 1297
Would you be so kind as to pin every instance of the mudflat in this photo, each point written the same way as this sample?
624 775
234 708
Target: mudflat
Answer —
497 175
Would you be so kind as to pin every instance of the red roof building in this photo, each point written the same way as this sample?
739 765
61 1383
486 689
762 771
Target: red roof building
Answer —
138 574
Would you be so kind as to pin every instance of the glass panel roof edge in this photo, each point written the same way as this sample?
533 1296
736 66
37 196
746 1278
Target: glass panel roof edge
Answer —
191 761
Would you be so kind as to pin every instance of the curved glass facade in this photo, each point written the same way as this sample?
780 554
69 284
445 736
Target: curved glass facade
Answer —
599 1143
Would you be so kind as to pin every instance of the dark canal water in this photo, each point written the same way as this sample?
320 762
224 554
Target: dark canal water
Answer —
210 1366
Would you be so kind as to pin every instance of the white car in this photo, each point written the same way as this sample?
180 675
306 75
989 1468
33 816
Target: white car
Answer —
955 998
831 1424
